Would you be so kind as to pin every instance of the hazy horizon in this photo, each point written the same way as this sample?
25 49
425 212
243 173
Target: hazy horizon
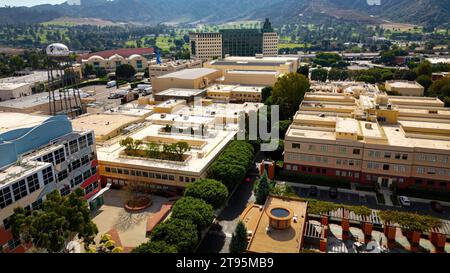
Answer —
28 3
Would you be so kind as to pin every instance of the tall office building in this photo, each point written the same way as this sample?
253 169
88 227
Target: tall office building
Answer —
40 154
235 42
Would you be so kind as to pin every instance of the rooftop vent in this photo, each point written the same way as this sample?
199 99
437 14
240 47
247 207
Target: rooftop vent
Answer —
369 126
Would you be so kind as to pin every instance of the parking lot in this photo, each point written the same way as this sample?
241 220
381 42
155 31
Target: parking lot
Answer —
101 93
348 198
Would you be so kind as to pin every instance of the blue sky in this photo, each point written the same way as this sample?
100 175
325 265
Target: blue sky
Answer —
28 2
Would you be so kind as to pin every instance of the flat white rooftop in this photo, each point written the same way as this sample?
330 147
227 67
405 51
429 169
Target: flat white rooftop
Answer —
12 86
180 92
35 76
13 121
189 74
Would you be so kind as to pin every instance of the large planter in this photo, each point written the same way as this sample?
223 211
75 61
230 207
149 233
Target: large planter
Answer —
390 232
138 205
345 224
438 240
414 237
367 230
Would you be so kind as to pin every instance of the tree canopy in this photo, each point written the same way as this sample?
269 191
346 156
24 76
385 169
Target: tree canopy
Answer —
319 74
288 93
125 72
211 191
177 232
195 210
239 242
55 224
155 247
262 189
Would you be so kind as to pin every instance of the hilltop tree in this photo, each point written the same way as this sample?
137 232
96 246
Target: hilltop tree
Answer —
424 68
288 93
239 242
304 70
59 221
425 81
211 191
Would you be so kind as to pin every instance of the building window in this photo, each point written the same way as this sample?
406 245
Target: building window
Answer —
338 173
342 150
405 156
5 197
94 170
387 155
19 190
48 158
47 175
356 151
59 156
33 183
91 187
86 175
73 146
76 181
37 204
82 142
324 148
386 167
76 164
295 145
288 167
420 170
65 191
398 156
90 139
85 160
62 175
311 148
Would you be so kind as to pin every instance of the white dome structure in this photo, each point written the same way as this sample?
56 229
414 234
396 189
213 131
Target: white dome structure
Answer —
57 50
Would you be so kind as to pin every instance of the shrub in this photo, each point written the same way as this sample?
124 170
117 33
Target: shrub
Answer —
155 247
177 232
211 191
195 210
313 179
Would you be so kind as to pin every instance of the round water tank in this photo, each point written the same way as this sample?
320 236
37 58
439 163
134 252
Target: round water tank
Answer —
57 50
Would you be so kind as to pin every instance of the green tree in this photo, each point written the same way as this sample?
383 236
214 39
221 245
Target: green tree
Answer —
266 93
57 223
319 74
262 189
125 72
211 191
130 144
304 70
239 241
177 232
424 68
425 81
153 150
441 89
195 210
159 247
180 148
288 93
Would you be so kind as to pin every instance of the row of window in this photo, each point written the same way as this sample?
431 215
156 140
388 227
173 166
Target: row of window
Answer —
24 187
386 167
388 155
148 174
432 158
441 172
81 143
325 149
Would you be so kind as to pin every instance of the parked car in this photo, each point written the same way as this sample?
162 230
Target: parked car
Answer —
436 206
333 193
313 191
111 84
404 201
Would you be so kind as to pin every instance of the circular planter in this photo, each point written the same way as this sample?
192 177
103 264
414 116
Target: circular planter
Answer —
138 204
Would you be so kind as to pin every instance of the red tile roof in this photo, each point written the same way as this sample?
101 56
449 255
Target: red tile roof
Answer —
124 52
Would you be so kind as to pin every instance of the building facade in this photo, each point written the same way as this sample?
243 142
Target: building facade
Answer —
39 155
138 62
156 70
234 42
368 137
10 91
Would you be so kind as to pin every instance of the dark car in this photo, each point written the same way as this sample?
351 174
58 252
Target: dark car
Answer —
333 193
436 206
313 191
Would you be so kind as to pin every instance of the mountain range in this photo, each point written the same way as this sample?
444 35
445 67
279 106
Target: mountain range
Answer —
423 12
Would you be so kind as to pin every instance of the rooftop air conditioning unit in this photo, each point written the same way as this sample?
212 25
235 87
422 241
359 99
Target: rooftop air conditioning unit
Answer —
369 126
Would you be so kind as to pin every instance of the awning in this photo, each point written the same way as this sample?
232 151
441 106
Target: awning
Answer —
101 192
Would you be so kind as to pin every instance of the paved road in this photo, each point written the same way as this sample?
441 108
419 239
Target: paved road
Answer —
219 241
354 199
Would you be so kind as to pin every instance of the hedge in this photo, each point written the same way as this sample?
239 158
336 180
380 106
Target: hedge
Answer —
441 195
313 179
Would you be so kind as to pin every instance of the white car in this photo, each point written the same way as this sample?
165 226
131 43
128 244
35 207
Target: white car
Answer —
404 201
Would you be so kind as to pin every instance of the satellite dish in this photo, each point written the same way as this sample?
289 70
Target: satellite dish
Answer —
57 50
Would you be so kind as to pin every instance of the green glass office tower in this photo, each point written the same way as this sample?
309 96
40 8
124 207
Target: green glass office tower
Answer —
242 42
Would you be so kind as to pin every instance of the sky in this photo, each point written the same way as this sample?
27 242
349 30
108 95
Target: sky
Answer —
28 3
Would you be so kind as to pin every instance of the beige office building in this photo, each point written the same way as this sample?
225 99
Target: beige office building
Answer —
282 65
365 136
405 88
10 91
270 44
205 46
196 78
